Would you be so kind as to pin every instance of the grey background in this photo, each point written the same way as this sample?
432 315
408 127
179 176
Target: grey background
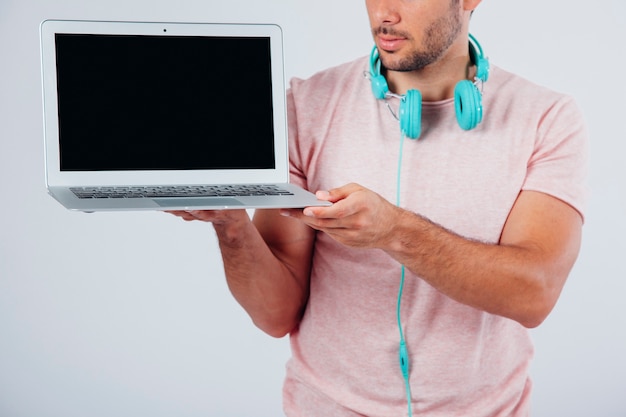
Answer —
127 314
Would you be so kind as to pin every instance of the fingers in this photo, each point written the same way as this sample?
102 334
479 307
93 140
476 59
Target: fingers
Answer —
345 202
211 216
340 193
185 215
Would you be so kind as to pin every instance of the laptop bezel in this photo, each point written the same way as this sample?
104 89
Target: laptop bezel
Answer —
55 177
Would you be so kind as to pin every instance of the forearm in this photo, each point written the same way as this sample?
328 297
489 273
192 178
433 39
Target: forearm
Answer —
518 280
266 287
485 276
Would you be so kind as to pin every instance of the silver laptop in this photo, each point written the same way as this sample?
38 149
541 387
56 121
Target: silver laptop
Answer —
166 116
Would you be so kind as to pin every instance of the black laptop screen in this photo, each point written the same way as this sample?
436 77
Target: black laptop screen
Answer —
164 102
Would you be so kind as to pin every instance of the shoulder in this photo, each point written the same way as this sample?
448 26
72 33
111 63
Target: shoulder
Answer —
552 125
505 85
341 78
511 99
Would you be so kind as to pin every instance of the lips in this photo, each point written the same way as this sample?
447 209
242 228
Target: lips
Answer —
389 43
389 39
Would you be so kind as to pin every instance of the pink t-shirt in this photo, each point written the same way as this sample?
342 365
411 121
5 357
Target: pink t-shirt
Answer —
464 362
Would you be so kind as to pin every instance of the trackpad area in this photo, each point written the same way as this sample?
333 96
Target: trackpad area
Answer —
216 202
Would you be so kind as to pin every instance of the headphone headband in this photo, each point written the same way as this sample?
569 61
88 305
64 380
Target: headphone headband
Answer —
467 95
478 58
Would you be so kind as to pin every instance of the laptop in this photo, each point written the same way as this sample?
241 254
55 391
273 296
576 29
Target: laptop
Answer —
166 116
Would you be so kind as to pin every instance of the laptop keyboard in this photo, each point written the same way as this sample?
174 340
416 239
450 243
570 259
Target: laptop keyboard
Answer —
180 191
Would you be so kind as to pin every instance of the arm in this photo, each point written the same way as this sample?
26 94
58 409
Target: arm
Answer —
266 262
521 277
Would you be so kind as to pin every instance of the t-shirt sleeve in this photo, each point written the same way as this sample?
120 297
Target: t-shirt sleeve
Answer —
296 171
558 165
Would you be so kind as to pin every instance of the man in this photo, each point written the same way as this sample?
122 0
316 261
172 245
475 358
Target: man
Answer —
483 227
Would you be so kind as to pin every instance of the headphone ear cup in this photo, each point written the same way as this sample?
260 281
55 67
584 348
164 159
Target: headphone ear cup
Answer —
468 105
411 114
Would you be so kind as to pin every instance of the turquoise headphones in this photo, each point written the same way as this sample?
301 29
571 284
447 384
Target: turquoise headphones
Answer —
467 96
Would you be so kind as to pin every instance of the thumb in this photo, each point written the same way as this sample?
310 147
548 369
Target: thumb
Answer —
339 193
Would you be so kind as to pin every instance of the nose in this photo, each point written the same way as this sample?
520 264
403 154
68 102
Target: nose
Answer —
383 12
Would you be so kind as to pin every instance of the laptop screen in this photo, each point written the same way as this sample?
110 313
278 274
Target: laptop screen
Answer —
144 102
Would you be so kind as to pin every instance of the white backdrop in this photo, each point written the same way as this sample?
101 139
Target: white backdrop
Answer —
127 314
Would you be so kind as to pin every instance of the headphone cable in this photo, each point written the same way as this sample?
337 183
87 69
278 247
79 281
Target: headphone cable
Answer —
403 352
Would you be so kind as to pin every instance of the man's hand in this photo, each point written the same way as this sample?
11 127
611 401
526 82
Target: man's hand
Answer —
358 217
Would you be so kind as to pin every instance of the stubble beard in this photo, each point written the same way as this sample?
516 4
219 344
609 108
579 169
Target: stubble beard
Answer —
438 37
